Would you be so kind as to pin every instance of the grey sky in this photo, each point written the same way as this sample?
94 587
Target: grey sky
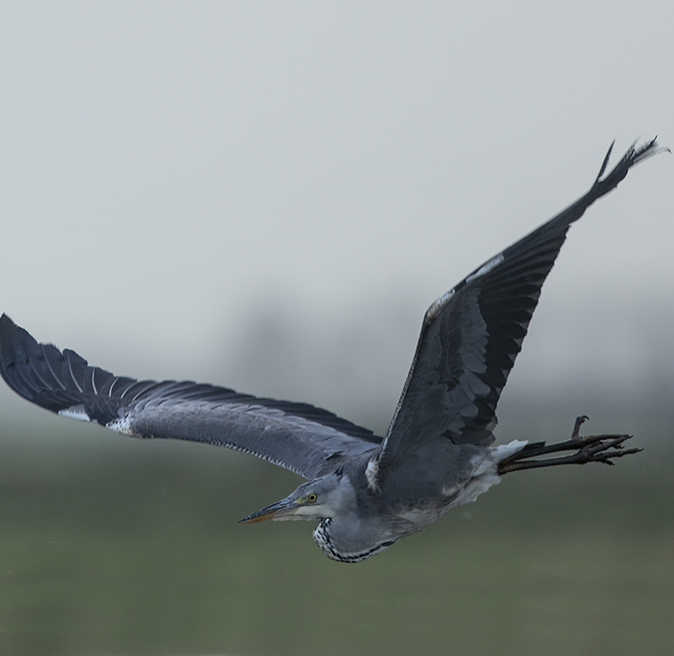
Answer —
179 177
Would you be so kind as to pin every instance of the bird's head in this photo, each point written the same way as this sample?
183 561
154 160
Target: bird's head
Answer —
325 497
345 531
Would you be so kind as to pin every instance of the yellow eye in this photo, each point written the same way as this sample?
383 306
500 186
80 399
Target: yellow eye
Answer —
311 497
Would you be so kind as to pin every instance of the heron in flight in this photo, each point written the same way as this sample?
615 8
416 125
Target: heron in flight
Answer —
365 492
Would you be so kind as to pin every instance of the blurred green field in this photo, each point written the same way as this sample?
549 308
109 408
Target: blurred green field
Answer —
120 547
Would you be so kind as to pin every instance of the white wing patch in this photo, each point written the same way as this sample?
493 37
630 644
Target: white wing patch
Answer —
75 412
437 305
371 474
486 267
121 425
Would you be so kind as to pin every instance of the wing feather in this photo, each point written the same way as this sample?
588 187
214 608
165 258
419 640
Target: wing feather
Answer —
471 335
297 436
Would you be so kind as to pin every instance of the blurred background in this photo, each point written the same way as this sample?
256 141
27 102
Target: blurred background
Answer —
267 196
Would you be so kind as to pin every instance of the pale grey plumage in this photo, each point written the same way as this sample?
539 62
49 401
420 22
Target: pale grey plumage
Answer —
367 492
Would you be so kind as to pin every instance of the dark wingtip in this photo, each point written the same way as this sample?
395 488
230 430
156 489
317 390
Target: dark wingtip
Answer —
6 321
12 340
633 156
604 164
7 330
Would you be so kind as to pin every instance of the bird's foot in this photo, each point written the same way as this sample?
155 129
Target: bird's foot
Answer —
590 448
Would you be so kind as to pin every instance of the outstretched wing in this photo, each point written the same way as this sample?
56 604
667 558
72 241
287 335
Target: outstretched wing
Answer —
297 436
471 336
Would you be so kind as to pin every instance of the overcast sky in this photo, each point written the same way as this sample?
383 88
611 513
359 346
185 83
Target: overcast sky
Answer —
247 192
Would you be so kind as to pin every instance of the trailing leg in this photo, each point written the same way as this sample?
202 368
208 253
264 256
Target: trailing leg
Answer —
591 448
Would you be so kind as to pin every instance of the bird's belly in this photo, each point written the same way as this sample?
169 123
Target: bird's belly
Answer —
479 475
418 518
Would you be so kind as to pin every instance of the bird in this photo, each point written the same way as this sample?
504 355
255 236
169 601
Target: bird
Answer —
365 492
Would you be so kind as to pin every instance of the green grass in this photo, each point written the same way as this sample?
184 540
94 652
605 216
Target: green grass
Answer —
135 550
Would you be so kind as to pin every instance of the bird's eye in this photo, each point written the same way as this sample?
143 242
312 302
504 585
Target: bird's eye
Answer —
311 497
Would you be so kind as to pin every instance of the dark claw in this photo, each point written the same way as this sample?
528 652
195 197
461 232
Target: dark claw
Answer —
579 422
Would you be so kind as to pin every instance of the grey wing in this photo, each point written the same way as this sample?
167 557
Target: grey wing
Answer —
297 436
471 336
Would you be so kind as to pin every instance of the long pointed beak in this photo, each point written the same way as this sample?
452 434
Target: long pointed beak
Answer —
284 509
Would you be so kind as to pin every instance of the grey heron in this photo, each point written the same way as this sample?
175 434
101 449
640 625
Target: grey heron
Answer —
365 492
